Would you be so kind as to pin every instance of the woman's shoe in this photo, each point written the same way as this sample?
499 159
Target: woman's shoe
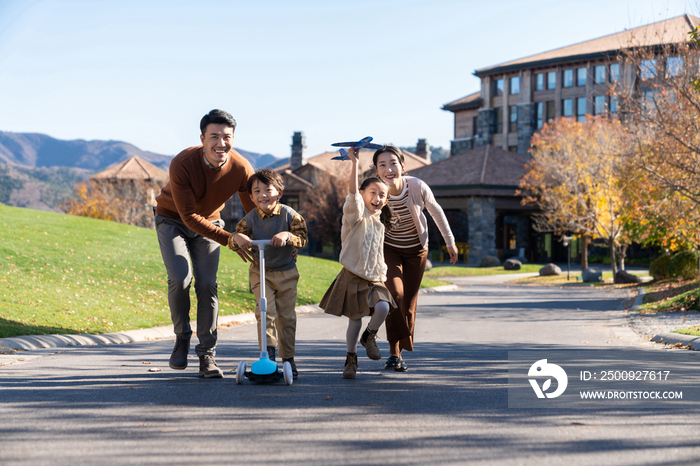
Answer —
400 366
391 362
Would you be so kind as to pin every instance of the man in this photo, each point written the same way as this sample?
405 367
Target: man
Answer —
190 230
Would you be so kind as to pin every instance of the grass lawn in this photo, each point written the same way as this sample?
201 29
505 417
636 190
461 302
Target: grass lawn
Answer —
667 296
463 271
67 274
574 279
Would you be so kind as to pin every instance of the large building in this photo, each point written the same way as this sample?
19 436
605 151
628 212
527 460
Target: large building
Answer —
516 98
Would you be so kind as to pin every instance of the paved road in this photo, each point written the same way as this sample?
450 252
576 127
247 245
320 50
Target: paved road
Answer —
101 405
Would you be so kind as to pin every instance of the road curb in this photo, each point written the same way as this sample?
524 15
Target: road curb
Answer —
34 342
678 339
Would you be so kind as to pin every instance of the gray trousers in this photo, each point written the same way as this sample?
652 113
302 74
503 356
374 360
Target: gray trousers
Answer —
189 255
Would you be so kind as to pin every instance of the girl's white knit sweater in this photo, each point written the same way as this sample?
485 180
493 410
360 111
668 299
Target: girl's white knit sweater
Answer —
362 236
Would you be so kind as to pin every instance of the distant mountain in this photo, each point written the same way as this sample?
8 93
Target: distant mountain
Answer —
38 171
36 150
257 160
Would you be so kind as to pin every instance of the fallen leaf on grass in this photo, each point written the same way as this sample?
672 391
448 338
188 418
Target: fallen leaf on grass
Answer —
328 398
145 362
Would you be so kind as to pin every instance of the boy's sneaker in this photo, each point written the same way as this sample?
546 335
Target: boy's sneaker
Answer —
208 367
178 360
271 353
295 373
350 366
391 362
369 341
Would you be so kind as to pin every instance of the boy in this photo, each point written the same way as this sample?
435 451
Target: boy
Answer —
287 230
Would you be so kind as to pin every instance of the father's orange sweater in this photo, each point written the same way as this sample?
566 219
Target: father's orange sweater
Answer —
196 193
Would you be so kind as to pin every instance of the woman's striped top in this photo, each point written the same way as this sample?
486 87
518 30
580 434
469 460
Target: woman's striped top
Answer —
404 234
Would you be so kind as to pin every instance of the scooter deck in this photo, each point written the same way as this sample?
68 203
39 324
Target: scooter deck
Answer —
264 378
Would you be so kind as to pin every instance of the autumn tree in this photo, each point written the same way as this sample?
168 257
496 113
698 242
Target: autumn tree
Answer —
126 201
323 211
574 179
661 111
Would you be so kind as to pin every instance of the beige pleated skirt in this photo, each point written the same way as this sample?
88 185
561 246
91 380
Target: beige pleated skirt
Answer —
353 296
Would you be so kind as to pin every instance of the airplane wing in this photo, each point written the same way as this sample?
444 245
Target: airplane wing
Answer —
346 144
343 155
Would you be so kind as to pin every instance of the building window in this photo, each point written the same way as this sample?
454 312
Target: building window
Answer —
599 105
568 78
539 82
550 111
581 76
649 101
551 80
515 85
513 121
599 74
674 66
615 72
568 107
613 104
512 148
581 109
498 87
540 114
475 123
647 70
499 120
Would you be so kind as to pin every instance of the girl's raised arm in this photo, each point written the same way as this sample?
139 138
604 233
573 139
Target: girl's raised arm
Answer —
352 153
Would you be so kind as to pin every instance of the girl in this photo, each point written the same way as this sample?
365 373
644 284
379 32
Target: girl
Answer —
406 247
359 289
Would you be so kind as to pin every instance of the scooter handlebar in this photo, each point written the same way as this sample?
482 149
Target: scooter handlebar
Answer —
261 243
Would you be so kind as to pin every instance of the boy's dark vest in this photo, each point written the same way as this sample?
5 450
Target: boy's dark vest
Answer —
276 259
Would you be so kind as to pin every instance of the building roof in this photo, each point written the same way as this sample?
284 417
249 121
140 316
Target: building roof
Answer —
485 166
670 31
134 168
465 103
341 169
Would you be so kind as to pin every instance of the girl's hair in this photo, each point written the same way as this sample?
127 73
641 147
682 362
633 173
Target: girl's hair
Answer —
391 149
387 216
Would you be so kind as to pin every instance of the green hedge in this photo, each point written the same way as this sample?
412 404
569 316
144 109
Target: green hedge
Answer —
659 268
684 265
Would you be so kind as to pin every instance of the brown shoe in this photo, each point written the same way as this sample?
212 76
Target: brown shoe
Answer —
369 341
350 366
208 367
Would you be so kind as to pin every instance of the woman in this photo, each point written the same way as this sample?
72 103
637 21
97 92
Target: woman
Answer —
406 247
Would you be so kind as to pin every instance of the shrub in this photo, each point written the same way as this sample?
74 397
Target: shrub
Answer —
684 265
659 267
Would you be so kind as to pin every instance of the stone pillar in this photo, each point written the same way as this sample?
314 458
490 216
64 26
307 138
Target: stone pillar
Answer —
527 124
482 229
298 150
485 126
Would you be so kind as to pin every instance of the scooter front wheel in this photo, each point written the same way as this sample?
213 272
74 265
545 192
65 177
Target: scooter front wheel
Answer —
287 373
240 372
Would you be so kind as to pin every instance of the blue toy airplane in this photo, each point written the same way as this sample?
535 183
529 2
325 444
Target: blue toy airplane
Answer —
364 143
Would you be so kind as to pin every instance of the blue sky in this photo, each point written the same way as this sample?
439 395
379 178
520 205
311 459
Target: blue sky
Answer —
146 71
